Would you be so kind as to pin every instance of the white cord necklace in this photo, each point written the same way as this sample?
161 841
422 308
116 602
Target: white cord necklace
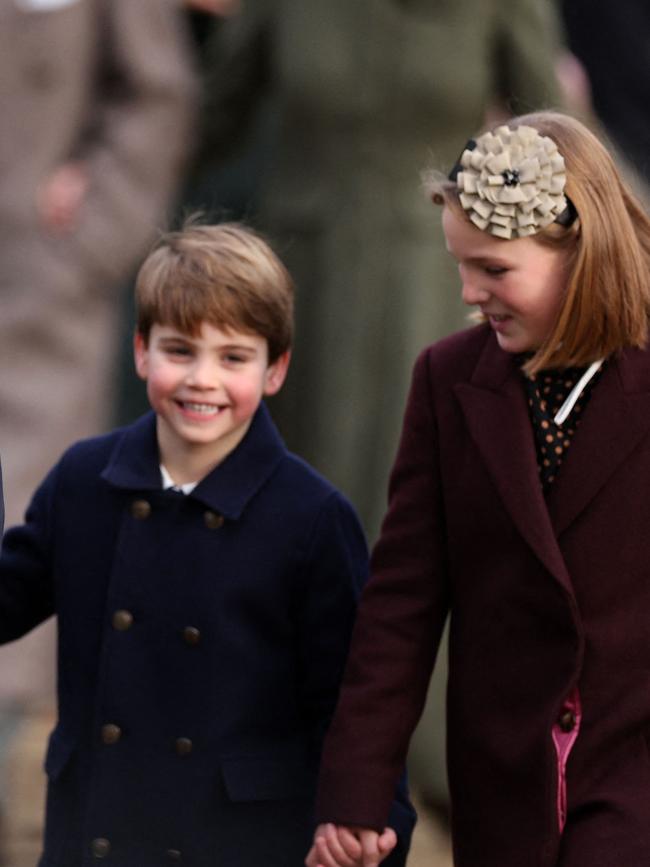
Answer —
563 412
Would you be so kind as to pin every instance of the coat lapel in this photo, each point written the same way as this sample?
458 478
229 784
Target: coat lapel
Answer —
616 419
495 410
135 464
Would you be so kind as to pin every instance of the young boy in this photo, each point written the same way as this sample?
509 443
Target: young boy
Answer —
205 582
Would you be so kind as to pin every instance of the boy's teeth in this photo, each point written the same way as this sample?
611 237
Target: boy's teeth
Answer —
201 407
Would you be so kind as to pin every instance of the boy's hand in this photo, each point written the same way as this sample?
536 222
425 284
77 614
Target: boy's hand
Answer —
341 846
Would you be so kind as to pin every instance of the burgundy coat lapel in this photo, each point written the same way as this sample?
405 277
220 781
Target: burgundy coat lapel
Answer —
494 405
616 419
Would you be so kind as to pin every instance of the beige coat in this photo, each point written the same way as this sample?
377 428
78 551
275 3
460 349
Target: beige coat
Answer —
109 83
104 81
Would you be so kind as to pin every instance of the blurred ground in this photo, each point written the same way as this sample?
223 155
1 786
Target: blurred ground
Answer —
26 787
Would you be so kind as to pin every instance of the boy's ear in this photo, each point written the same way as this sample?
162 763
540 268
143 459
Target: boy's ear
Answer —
141 355
276 373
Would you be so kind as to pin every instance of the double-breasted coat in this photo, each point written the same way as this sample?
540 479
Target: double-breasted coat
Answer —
549 599
201 640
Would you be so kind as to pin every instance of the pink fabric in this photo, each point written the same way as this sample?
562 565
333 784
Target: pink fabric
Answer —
564 742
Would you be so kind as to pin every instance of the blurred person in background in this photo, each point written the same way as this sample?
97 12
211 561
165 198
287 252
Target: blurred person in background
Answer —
222 190
365 94
98 98
612 41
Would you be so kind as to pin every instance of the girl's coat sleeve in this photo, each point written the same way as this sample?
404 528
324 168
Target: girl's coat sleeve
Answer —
401 616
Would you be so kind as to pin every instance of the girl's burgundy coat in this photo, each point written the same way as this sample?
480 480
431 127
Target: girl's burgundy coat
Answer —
544 595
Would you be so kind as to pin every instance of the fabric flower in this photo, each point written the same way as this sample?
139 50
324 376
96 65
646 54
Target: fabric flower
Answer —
512 182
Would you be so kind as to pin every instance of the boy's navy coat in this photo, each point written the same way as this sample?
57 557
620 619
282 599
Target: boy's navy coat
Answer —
201 642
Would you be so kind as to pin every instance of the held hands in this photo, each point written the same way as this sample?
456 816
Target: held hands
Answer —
342 846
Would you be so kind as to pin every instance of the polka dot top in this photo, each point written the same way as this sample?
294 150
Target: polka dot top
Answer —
546 392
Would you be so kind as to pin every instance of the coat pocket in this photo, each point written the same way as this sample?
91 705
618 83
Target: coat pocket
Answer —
261 778
60 748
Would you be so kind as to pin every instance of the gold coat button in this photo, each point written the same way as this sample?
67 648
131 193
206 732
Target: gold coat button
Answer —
174 854
213 520
567 721
111 733
100 847
191 635
122 620
140 509
183 746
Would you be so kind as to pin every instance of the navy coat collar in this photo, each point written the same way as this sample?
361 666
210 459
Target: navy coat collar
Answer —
134 464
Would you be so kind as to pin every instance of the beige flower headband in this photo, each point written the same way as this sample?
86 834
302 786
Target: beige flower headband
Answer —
511 182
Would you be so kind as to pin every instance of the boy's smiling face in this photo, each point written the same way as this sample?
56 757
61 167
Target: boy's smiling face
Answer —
205 390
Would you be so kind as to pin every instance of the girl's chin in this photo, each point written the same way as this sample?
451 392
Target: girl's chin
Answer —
510 343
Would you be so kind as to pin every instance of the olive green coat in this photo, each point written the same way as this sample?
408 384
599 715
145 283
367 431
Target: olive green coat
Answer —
367 93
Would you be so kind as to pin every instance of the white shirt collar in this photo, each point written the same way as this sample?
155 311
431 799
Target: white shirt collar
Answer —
168 482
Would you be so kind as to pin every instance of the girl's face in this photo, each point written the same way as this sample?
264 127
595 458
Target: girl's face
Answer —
518 285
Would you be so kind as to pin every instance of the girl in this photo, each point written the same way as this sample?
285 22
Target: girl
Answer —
519 503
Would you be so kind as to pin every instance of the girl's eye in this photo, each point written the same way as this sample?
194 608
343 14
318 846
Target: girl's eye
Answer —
495 270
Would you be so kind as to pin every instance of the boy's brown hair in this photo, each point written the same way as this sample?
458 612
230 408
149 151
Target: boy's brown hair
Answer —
607 303
226 275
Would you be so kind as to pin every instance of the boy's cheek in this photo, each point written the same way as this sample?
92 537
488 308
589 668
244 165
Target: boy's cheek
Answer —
157 392
163 379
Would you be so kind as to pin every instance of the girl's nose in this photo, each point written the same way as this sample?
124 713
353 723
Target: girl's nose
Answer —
472 293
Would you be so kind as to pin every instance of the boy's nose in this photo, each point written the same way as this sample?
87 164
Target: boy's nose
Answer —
202 374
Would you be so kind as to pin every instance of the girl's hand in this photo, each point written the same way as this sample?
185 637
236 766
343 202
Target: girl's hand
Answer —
342 846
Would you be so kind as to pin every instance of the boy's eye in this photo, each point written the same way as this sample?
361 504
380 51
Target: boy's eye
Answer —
178 350
234 358
495 270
